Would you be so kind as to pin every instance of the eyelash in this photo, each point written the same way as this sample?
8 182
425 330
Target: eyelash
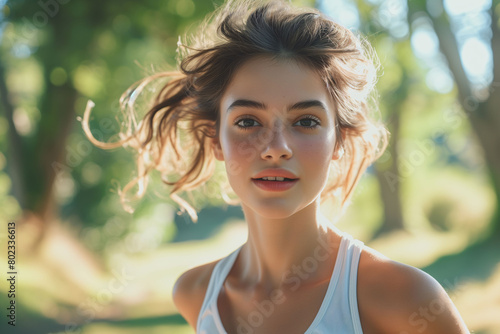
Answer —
249 127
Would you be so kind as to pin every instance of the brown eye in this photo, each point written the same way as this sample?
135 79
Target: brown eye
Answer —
309 122
246 123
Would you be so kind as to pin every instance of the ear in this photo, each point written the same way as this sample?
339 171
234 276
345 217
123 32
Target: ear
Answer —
339 151
217 149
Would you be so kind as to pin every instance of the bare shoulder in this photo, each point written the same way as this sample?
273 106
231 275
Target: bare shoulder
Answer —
397 298
189 291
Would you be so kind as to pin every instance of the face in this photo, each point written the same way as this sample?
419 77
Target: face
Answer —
276 114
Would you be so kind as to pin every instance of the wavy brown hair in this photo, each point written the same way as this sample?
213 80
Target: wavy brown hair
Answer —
175 135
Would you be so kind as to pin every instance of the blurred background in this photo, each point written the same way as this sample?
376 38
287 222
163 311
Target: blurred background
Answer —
86 265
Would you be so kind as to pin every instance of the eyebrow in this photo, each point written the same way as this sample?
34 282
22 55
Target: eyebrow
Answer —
259 105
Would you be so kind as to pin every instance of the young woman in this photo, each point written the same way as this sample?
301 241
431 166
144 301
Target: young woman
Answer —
280 96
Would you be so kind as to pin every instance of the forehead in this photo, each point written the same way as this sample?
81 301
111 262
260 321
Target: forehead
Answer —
275 83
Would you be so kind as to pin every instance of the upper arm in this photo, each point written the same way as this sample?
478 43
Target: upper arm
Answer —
189 292
430 310
405 299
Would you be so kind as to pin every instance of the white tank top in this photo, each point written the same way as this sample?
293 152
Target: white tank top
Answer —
338 312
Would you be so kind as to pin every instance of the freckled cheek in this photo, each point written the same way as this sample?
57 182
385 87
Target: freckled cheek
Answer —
314 153
239 147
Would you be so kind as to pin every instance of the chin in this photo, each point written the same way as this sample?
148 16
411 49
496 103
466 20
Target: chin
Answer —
270 209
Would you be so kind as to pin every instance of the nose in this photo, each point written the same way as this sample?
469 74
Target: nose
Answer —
276 146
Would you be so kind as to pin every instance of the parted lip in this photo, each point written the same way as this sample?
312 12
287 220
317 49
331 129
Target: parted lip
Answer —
275 172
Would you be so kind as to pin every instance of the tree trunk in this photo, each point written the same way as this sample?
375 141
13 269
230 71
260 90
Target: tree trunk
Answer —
483 115
488 134
31 158
387 173
15 148
54 129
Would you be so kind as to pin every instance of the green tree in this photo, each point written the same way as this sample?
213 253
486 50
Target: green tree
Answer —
480 108
71 52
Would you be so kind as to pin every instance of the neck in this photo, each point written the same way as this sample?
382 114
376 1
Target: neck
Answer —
282 250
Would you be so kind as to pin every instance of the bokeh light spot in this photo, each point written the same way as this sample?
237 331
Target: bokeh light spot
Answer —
58 76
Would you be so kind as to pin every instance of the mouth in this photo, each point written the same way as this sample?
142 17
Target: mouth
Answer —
275 179
274 183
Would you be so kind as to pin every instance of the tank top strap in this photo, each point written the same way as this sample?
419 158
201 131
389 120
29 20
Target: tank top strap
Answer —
217 278
340 311
357 247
